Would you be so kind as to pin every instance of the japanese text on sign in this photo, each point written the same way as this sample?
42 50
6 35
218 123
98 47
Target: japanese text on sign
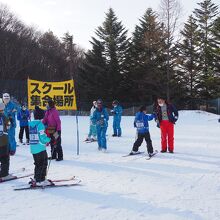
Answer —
63 94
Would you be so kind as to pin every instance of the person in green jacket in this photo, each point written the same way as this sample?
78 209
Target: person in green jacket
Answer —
38 143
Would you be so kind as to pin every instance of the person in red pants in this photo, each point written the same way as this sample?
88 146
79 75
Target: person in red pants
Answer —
166 116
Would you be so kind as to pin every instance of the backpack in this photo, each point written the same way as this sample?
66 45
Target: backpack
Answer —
34 137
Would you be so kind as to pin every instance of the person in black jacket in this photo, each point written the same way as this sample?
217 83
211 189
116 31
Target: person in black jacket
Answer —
38 113
166 116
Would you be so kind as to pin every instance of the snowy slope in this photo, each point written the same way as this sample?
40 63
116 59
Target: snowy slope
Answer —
180 186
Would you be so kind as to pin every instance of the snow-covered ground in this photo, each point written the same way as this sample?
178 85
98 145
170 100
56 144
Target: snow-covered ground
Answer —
184 185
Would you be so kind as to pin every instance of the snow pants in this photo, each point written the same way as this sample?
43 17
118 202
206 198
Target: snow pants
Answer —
139 141
11 138
21 133
167 135
40 162
4 169
92 130
101 136
56 148
117 126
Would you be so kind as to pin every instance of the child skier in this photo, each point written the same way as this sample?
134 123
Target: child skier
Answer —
100 118
38 142
92 127
141 123
23 117
4 149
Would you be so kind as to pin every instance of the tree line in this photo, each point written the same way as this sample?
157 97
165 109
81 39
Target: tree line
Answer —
158 58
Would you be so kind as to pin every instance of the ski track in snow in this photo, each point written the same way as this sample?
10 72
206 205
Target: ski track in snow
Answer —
180 186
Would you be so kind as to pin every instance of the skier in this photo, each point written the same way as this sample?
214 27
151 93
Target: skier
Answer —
53 123
166 116
38 142
117 113
100 118
23 117
39 113
4 149
141 123
10 112
92 128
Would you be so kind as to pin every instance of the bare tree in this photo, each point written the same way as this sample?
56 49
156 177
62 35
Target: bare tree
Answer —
170 13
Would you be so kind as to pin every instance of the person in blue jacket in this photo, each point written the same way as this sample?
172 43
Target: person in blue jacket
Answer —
100 118
141 123
117 113
38 142
23 117
10 112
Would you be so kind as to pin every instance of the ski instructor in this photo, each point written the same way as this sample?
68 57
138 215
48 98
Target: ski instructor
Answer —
166 116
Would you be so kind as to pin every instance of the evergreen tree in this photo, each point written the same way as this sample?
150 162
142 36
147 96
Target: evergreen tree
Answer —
205 17
109 56
148 66
188 55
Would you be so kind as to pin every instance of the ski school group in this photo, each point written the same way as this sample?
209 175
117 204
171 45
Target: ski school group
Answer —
45 130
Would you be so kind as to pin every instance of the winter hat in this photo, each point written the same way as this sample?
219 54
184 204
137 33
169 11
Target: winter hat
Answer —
115 102
162 96
143 108
51 103
5 96
2 106
99 101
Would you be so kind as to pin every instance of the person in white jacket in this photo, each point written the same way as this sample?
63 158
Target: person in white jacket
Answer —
92 136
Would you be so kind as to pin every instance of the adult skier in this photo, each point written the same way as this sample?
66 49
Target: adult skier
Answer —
4 147
10 112
92 127
53 123
100 118
117 113
166 116
23 117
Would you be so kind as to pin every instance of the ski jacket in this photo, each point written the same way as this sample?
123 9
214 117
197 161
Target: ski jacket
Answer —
38 138
117 112
141 122
23 116
10 112
52 119
4 149
100 117
172 113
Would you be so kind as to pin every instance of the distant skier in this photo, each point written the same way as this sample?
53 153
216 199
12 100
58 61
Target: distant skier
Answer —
117 113
10 112
23 117
141 123
92 127
39 113
4 147
166 116
100 118
38 142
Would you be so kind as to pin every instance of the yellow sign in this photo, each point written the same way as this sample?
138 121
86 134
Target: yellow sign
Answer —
62 93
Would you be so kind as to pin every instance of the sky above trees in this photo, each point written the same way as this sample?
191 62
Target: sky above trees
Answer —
82 17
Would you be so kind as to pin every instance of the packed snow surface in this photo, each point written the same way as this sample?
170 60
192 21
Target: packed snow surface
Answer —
180 186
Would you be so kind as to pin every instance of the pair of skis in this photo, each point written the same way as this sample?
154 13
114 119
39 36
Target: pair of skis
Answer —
142 153
54 184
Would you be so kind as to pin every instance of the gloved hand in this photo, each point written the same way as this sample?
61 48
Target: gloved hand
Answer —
12 152
47 144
